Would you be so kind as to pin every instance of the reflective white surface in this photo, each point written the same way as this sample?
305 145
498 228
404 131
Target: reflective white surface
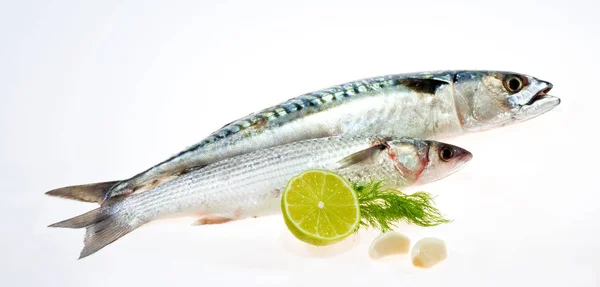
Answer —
100 91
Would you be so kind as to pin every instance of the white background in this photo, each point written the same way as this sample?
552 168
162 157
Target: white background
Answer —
100 90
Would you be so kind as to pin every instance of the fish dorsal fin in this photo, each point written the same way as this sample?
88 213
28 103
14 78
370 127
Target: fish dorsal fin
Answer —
364 156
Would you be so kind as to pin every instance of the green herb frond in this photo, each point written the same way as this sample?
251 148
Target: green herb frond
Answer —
383 208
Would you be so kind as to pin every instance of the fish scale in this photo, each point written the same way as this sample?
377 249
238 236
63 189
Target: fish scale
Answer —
311 102
291 106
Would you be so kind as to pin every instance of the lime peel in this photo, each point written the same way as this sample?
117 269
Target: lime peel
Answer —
320 207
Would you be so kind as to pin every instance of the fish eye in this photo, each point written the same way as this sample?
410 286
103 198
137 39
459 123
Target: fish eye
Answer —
513 83
446 153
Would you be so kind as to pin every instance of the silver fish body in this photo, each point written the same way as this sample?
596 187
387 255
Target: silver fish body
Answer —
251 184
432 105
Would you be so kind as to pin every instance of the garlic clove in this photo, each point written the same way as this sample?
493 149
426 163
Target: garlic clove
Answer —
389 243
428 252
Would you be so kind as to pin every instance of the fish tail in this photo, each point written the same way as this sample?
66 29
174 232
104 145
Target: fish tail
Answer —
94 192
102 228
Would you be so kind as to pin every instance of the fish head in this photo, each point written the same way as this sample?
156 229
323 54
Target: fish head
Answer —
486 100
420 162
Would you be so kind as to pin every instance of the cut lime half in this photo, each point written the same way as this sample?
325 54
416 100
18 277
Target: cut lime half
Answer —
320 207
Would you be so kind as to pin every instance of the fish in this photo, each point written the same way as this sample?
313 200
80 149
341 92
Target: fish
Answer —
251 184
427 105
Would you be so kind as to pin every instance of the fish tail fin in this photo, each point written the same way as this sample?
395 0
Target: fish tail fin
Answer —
94 192
102 228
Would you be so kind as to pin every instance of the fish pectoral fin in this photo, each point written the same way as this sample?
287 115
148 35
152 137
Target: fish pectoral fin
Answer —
364 156
211 220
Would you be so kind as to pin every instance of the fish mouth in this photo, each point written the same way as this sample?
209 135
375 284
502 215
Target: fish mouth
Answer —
540 95
462 157
539 104
466 156
543 96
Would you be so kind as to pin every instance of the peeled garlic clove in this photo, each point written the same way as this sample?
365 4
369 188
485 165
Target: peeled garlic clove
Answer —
389 243
428 252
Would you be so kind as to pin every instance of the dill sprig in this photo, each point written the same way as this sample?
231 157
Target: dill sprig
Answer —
383 208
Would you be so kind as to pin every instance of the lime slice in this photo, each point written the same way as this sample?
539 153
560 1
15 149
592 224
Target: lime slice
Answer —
320 207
